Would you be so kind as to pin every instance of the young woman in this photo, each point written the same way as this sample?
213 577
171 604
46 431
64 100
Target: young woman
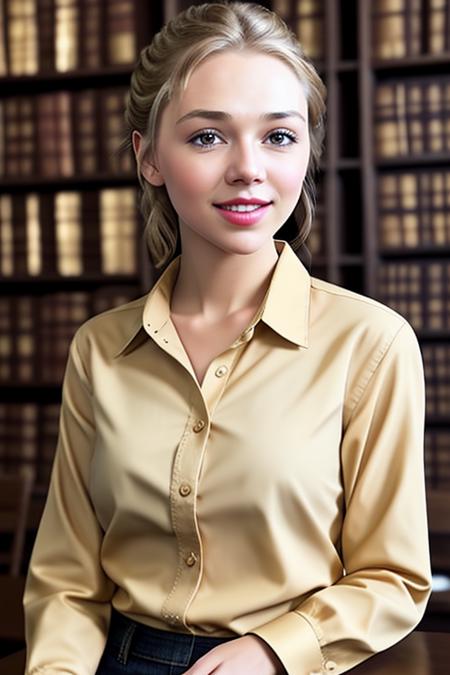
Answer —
238 483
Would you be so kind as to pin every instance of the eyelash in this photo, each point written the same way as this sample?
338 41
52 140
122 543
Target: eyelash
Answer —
204 132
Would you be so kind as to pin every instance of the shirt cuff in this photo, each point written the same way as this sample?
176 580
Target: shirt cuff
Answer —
295 643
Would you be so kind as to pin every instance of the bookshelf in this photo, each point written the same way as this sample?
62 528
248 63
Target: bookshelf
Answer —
385 209
382 221
70 231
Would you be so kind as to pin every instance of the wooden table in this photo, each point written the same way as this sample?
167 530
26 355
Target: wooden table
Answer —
418 654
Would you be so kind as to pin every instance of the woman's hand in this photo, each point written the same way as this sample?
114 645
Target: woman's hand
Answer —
248 654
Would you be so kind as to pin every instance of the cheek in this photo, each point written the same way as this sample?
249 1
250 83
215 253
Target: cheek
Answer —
189 178
292 178
297 171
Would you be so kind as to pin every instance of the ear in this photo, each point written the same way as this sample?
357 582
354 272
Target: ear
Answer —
149 171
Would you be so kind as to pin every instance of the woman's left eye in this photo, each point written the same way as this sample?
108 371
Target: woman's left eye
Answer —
286 134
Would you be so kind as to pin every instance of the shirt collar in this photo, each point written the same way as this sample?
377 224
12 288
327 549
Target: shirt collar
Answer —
285 307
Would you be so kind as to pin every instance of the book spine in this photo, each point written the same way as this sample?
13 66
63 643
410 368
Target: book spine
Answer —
120 32
4 68
91 232
21 23
66 35
86 132
68 233
46 34
6 236
7 360
48 234
33 235
64 135
118 230
26 344
19 219
92 19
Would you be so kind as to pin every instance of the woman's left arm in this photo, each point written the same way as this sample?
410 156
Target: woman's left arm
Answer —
384 544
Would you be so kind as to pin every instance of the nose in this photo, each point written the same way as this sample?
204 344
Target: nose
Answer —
245 164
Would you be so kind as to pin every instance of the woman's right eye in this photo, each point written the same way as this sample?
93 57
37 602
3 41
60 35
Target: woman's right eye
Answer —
207 134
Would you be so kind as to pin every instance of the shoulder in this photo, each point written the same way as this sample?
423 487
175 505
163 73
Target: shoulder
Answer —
110 330
371 337
346 312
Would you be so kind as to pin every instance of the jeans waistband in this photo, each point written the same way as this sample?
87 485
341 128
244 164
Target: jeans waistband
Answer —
128 634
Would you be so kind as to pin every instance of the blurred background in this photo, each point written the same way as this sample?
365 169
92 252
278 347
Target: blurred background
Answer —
71 233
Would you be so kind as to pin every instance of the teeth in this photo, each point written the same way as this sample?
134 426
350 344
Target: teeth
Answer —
242 207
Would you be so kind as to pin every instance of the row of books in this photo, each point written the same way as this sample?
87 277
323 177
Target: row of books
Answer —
400 28
64 35
437 459
414 209
29 434
408 28
63 133
28 438
306 19
436 359
419 290
35 331
412 117
69 233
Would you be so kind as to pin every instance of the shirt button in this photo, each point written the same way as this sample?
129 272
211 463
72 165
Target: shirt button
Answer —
199 426
191 559
330 666
184 490
220 372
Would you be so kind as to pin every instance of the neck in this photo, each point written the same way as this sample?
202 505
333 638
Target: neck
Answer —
213 284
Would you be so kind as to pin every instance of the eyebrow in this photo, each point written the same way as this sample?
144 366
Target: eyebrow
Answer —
220 115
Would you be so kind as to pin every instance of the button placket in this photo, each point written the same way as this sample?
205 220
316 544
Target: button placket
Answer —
184 474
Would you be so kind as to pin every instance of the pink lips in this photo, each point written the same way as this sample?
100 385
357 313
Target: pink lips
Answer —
244 218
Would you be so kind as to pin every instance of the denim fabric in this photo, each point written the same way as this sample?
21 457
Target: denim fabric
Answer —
135 649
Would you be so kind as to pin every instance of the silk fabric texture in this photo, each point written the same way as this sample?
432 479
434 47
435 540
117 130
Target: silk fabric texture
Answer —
283 497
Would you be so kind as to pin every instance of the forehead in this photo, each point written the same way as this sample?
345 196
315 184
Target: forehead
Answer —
241 81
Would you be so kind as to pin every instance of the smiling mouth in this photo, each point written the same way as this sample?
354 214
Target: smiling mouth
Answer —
241 208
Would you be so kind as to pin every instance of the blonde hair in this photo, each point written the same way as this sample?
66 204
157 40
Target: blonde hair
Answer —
163 70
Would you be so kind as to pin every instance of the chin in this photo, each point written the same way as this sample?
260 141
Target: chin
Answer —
244 243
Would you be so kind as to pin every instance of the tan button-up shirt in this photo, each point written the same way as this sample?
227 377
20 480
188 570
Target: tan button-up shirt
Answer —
283 497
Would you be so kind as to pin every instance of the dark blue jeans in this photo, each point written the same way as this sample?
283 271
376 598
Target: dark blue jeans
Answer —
135 649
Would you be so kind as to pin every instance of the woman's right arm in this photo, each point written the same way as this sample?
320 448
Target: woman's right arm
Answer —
67 594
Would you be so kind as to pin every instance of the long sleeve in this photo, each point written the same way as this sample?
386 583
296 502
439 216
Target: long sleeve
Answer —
384 543
67 595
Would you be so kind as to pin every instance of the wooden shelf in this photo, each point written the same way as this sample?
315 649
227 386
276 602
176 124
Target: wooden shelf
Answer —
347 260
413 161
437 422
426 63
30 393
433 335
72 79
416 252
63 183
62 283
